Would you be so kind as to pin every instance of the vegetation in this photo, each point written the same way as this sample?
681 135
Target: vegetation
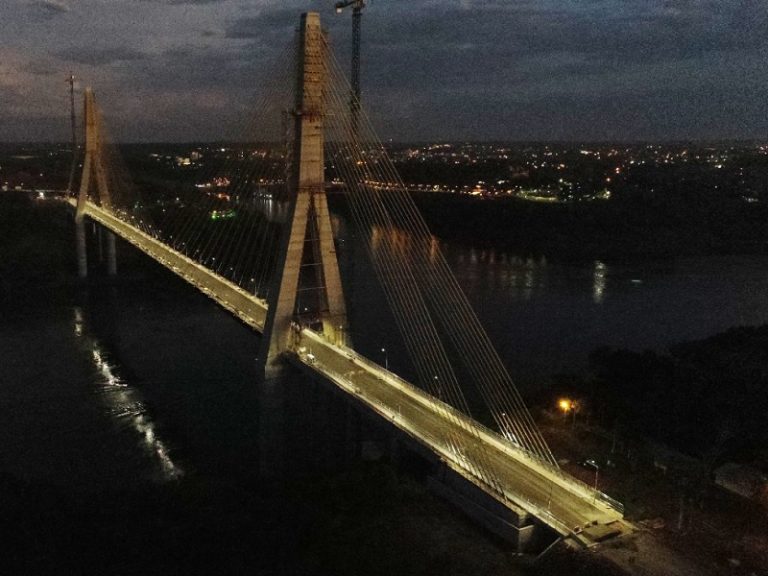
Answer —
705 398
636 225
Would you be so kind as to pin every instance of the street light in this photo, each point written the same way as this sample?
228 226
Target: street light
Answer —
386 359
597 469
567 405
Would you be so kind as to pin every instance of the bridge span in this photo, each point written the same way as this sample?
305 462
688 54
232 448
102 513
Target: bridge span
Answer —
567 506
503 479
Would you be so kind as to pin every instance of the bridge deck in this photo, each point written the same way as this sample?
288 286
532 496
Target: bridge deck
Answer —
566 505
563 503
250 309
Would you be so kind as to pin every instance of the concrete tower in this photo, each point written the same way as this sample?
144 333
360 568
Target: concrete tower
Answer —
308 208
93 165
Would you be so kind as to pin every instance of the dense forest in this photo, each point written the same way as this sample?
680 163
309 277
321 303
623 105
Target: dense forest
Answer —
637 225
705 398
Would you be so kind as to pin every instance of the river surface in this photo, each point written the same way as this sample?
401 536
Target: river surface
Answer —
148 380
117 370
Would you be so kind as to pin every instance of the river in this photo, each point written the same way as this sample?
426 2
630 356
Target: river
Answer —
146 380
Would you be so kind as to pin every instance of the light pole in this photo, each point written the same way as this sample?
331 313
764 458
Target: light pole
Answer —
567 405
597 470
386 359
549 498
354 100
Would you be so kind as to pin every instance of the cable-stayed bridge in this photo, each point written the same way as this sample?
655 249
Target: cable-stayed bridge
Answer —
280 275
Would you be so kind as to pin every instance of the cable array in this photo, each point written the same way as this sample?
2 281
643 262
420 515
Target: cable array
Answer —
421 288
231 218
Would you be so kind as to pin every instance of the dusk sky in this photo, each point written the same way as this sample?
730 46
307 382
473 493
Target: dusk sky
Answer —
181 70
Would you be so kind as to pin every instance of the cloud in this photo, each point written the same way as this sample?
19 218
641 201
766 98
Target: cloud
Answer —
45 10
267 23
179 2
557 66
176 2
52 6
100 56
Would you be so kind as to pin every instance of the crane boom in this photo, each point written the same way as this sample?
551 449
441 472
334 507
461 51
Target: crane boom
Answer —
73 123
354 100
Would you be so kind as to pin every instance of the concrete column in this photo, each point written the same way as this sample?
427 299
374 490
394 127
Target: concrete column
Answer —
111 253
99 241
82 255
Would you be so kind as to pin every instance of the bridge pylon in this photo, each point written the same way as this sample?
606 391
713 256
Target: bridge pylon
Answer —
93 167
307 243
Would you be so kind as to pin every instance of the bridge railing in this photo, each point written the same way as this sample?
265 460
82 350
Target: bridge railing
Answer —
588 491
435 442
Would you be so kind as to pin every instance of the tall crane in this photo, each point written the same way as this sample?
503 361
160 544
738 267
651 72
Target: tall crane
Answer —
73 125
354 101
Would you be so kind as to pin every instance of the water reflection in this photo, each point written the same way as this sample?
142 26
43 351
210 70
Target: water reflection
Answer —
599 273
480 270
125 403
273 210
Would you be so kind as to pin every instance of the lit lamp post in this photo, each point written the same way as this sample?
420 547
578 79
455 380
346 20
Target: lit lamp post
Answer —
597 470
386 358
567 405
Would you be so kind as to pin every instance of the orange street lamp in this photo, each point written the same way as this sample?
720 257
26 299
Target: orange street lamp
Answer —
567 405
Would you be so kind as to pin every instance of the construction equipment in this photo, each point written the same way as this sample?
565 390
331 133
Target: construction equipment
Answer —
354 101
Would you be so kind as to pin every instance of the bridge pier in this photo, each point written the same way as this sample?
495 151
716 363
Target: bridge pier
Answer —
509 522
82 254
99 241
111 253
103 237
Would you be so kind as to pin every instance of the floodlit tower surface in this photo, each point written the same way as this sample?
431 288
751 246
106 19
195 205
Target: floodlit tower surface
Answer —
354 101
93 165
309 221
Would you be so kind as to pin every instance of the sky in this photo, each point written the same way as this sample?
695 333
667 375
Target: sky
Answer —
517 70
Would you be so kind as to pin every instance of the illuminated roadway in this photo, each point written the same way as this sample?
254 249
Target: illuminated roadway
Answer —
556 499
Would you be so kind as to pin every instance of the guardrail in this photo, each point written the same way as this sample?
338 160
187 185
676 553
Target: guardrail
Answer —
565 480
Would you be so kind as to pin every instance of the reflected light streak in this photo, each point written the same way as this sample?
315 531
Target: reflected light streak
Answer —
598 281
125 403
